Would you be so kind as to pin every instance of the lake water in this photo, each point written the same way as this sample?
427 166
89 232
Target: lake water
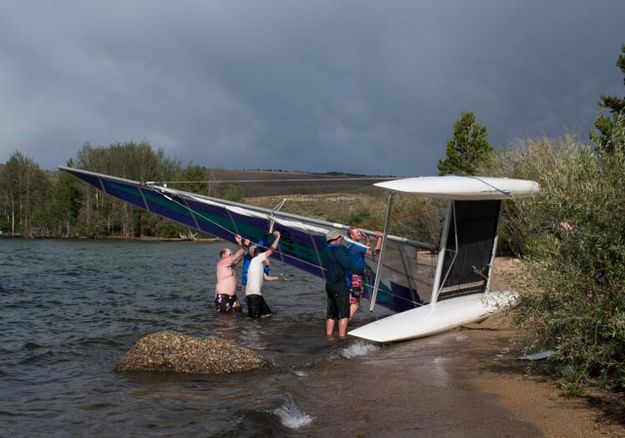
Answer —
70 309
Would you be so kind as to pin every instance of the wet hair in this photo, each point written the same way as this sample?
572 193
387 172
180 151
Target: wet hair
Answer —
223 251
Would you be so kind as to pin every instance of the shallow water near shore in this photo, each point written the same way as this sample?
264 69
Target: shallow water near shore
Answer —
71 309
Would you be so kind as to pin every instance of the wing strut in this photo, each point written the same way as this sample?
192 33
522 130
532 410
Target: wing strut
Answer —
272 222
376 283
436 284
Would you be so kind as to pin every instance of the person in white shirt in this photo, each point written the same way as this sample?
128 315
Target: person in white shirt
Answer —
256 305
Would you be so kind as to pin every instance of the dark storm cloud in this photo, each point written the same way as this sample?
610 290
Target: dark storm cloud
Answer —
371 87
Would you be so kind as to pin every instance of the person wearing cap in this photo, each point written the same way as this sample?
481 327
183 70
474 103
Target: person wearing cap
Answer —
226 300
247 258
257 307
357 253
337 264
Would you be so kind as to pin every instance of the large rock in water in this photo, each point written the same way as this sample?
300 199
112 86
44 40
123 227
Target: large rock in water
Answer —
173 352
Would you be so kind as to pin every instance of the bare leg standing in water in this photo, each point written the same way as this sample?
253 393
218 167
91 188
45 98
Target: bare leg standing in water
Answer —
336 263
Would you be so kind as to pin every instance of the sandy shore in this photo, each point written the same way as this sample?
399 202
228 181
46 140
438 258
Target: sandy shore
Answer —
532 399
497 371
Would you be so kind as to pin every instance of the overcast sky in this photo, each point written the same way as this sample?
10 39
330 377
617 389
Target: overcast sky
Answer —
359 86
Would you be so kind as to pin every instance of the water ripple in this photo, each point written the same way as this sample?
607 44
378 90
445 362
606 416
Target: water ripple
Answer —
71 309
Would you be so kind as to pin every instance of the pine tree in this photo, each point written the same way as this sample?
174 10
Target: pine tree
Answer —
616 107
468 149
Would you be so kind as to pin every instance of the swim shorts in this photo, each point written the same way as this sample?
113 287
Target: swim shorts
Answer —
257 306
227 303
355 292
338 300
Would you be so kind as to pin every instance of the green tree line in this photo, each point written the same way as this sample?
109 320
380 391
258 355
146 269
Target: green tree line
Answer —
36 203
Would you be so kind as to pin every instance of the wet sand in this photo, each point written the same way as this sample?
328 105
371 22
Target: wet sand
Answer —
413 389
492 368
465 383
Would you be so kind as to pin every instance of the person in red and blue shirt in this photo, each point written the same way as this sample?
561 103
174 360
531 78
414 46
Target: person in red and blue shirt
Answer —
357 253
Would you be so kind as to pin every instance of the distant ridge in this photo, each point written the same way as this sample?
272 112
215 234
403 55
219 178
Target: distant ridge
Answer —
271 186
330 173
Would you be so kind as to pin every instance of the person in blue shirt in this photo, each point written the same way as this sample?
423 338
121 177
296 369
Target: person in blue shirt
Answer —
357 253
336 264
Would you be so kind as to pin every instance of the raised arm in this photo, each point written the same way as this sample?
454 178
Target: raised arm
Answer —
378 242
237 256
274 245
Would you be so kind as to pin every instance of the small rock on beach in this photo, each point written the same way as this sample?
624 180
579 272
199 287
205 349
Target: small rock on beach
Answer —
173 352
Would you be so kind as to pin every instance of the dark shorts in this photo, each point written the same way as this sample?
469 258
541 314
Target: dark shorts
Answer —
257 306
355 292
227 303
338 300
